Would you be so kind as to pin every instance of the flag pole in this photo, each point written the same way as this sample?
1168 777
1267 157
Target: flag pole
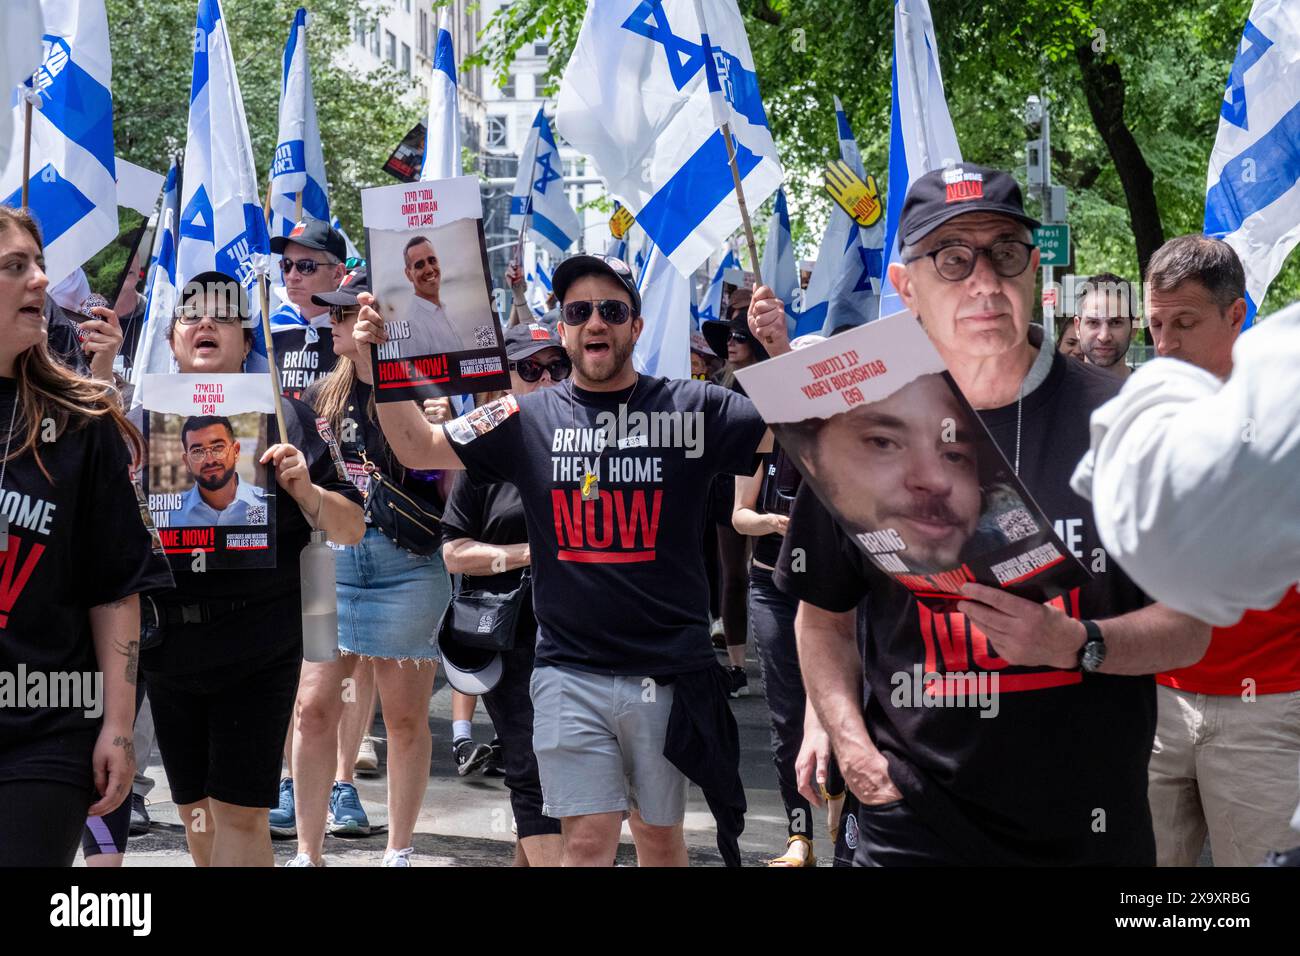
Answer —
270 355
744 208
27 139
528 203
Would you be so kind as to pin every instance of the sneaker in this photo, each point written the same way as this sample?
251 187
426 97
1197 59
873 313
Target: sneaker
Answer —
346 817
496 765
739 682
302 859
140 821
470 756
283 822
398 857
368 758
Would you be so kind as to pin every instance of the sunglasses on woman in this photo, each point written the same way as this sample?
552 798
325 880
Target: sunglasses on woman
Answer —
344 313
611 311
530 370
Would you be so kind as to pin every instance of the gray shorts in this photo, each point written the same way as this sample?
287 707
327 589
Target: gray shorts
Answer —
599 742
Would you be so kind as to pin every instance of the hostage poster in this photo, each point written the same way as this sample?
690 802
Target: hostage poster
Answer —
205 489
428 269
894 451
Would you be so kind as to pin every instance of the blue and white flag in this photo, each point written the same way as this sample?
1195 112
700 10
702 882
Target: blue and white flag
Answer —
539 192
1252 198
635 97
539 285
21 49
73 175
442 128
921 135
299 164
347 240
780 273
844 287
153 354
711 307
664 347
221 221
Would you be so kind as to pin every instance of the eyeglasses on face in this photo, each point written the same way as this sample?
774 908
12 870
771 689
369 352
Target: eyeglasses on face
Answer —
190 315
305 267
211 453
344 313
742 337
530 370
956 260
611 311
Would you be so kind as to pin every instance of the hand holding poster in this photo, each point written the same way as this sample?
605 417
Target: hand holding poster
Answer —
205 488
898 456
428 267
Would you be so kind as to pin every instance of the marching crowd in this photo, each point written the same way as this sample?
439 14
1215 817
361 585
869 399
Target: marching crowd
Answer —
1127 732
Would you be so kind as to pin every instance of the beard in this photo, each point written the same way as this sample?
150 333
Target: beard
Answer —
215 481
620 352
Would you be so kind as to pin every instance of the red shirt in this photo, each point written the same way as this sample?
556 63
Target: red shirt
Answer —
1263 646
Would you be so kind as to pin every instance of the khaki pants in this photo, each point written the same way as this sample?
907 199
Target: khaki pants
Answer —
1227 767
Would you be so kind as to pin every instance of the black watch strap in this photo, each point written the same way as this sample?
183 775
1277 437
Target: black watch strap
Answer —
1093 651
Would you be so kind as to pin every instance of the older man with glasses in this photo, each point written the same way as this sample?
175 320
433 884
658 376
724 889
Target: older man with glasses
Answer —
312 263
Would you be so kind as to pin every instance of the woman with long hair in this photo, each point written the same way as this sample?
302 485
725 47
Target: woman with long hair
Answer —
75 554
390 600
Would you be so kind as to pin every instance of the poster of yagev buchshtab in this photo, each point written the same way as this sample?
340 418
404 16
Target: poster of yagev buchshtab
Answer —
429 273
897 455
206 491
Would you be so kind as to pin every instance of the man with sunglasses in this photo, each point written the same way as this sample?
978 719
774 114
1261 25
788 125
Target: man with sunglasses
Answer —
611 467
312 264
1060 776
217 497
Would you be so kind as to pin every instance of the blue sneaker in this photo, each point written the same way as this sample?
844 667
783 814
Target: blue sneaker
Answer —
346 817
283 822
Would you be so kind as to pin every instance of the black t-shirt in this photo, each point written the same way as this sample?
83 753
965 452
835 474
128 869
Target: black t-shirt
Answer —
493 514
422 485
271 618
76 541
303 355
779 485
619 584
1059 775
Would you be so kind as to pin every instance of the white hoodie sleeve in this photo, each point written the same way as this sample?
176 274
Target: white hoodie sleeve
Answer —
1195 483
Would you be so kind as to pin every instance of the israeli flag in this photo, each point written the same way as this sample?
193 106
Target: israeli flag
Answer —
442 136
711 307
21 49
1252 198
635 97
221 222
539 192
153 354
539 285
73 176
780 273
664 347
299 165
844 287
921 135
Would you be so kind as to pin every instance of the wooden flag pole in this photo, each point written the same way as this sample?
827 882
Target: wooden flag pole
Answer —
744 214
263 288
27 142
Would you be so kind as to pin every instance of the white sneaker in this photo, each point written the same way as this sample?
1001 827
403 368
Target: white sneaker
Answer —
302 859
398 857
367 757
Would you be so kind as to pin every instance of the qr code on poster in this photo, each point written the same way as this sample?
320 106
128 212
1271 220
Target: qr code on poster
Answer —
485 336
1017 524
257 514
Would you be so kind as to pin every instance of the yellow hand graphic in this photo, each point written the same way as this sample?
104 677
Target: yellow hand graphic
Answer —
620 222
859 199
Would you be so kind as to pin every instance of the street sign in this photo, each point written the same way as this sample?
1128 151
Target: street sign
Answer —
1053 241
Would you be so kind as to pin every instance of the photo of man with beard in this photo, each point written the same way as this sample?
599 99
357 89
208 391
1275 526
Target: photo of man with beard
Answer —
902 474
218 496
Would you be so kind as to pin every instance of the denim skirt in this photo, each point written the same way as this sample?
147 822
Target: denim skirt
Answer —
390 600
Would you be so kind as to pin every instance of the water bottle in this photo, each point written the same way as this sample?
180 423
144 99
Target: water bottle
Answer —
320 608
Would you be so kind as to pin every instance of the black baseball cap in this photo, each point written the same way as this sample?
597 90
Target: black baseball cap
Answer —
944 194
353 284
525 340
575 267
314 234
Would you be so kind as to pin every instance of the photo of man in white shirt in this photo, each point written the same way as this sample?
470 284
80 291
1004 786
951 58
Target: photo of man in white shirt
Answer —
424 329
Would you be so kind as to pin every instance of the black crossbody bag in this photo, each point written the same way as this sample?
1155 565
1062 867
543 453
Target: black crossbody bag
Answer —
403 519
486 620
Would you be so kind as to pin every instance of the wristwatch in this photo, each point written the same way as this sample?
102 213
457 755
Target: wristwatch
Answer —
1093 651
